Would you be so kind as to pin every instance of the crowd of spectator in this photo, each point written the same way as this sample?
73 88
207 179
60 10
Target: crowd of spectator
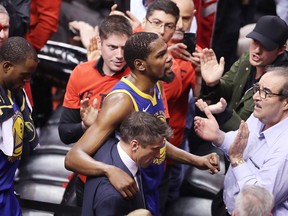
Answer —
135 112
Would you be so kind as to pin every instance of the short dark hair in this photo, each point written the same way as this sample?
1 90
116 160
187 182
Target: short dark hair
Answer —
137 47
17 50
167 6
283 72
115 24
145 128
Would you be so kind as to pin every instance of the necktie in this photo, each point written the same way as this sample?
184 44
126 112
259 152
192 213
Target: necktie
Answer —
139 181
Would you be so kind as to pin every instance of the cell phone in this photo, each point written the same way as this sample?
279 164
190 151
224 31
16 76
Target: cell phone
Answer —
190 41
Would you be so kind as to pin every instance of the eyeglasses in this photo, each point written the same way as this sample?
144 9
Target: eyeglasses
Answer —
263 92
158 24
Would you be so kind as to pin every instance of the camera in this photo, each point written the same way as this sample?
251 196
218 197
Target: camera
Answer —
190 41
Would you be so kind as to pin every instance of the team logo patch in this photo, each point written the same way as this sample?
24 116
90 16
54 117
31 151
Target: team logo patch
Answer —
18 133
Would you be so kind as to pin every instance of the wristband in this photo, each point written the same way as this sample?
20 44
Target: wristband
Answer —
237 163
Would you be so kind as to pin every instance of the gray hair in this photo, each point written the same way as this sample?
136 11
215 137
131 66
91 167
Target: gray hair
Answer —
3 10
283 72
254 200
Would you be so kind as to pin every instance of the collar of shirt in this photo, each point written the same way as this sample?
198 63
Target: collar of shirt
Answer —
271 134
99 66
129 163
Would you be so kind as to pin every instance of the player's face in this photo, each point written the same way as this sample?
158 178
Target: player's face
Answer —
145 156
159 62
16 75
4 28
112 50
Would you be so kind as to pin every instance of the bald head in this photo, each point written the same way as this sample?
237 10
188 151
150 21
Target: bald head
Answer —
186 8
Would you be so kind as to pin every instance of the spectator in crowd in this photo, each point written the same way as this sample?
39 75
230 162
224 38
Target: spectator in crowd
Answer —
253 200
141 138
4 24
18 60
44 17
178 108
91 81
260 157
19 13
231 94
146 55
235 86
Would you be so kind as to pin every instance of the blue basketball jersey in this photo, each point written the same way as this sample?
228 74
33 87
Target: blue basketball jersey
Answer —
153 174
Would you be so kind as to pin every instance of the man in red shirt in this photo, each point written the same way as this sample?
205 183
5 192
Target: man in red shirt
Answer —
91 81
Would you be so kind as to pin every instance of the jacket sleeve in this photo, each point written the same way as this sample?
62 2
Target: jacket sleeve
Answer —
70 127
43 21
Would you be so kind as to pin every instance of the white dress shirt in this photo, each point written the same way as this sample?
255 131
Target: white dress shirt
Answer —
266 164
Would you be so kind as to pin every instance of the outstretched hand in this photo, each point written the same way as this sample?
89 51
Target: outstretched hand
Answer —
214 108
88 112
208 128
210 69
86 31
122 182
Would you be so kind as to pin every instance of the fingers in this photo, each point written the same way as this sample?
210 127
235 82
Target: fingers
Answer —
222 62
223 101
243 131
207 55
215 162
114 7
95 103
201 104
129 191
208 113
84 102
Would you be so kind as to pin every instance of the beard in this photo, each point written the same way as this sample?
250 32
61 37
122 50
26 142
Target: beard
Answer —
168 77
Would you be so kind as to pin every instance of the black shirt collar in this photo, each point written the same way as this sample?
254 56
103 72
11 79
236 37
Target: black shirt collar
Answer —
99 66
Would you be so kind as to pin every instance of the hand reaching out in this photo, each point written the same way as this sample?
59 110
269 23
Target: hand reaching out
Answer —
132 19
88 112
214 108
208 128
86 31
210 69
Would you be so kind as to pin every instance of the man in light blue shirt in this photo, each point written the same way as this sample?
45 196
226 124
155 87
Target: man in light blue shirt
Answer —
258 151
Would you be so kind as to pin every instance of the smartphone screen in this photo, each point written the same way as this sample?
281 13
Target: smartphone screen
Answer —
190 41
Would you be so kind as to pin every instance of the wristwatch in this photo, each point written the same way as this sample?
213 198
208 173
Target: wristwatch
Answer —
237 163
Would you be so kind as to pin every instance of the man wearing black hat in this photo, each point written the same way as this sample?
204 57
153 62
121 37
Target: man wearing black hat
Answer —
234 88
267 47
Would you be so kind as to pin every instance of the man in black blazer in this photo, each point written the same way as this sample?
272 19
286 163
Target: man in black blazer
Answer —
141 138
